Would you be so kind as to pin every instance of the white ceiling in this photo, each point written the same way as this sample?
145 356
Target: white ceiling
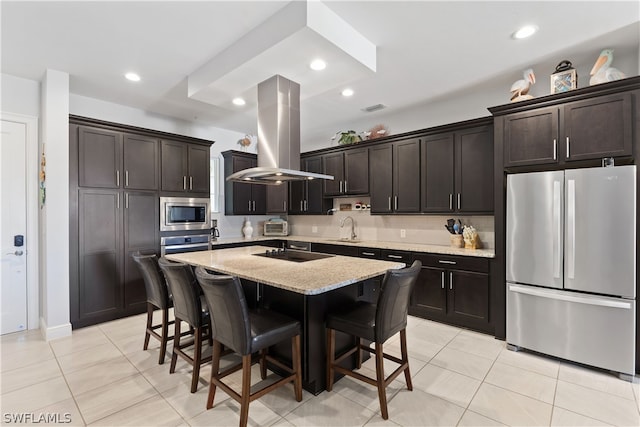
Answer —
425 50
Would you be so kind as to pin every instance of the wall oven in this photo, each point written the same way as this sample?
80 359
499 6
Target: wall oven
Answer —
178 244
184 213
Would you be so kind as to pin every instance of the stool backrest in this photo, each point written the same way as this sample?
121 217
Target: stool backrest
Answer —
154 283
185 291
393 301
230 321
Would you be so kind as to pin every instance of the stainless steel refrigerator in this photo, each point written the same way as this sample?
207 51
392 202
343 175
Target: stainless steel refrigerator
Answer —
571 265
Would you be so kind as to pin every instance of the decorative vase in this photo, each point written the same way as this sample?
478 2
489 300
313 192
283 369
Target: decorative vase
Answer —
247 229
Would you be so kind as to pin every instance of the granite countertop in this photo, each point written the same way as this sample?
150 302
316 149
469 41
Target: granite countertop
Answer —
398 246
309 278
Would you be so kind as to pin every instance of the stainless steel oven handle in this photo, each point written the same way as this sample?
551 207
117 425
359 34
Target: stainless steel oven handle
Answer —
186 246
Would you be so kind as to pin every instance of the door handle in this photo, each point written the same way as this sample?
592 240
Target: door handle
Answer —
395 198
190 183
389 203
341 186
126 178
254 205
450 281
126 200
16 253
571 228
117 178
450 201
284 206
567 147
555 148
557 228
345 186
306 205
442 280
301 206
458 201
249 205
184 182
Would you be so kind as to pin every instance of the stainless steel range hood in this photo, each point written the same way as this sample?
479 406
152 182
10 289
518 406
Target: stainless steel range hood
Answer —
278 136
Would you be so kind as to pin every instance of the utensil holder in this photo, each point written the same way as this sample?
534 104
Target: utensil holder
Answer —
457 241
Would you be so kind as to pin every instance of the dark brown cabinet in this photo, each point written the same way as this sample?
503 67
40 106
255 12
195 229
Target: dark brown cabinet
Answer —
454 290
110 159
581 130
185 167
350 170
457 171
395 182
277 198
241 198
113 224
306 197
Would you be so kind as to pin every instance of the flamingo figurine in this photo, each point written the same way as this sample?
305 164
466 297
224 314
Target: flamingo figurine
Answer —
520 89
602 70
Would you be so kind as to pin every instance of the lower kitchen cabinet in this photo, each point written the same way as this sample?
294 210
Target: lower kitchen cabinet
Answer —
453 290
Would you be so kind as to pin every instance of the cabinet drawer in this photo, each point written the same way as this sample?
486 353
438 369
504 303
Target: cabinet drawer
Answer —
480 265
374 253
400 256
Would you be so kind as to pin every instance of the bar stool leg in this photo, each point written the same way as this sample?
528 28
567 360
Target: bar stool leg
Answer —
331 335
359 353
147 334
297 366
246 390
405 358
263 363
165 334
382 394
176 345
215 368
197 358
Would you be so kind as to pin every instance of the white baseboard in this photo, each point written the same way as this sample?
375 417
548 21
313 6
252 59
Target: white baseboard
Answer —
54 332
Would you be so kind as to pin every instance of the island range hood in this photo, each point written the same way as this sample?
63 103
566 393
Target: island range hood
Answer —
278 136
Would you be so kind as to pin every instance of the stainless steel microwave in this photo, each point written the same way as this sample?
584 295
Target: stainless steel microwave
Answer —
184 213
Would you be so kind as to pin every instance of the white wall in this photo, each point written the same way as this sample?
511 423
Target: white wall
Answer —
20 96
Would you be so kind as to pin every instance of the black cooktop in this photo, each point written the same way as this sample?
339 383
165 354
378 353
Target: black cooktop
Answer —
292 255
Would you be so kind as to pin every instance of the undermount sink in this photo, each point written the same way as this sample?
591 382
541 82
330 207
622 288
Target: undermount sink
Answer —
346 240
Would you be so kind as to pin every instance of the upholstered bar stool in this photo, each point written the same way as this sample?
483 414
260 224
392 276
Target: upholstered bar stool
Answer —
376 323
157 298
187 307
245 332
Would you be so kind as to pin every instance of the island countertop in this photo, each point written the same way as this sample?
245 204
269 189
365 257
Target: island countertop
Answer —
308 278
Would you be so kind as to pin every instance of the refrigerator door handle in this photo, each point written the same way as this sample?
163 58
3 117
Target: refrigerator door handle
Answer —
557 228
571 228
570 298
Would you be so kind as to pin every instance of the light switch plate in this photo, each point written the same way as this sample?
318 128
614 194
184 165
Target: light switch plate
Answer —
314 229
403 233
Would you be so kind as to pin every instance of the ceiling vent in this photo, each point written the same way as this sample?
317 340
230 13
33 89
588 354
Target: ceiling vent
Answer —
373 108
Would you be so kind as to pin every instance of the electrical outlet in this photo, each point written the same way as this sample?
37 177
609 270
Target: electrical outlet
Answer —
403 233
314 229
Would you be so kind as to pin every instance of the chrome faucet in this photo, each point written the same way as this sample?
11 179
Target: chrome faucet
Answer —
353 224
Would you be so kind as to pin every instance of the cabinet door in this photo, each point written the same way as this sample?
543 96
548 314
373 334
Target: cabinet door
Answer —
429 297
141 161
100 253
199 164
381 166
277 199
474 170
406 176
437 173
174 166
531 137
141 219
598 127
99 158
333 164
468 299
297 197
242 202
316 203
356 171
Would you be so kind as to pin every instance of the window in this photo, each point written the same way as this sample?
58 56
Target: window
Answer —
214 170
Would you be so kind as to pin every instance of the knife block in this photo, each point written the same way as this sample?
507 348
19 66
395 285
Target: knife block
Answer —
457 241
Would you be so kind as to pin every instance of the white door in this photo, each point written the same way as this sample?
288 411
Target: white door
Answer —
13 223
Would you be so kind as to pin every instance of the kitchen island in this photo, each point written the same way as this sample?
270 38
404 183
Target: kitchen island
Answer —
306 291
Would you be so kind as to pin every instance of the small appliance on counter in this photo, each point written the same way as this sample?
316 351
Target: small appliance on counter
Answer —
215 233
276 227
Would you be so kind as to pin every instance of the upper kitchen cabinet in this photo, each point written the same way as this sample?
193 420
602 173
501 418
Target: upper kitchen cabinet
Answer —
306 197
110 159
457 169
241 198
395 183
350 171
583 124
185 167
277 198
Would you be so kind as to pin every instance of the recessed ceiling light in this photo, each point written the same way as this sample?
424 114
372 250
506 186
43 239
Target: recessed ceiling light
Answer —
238 101
524 32
347 92
318 64
132 77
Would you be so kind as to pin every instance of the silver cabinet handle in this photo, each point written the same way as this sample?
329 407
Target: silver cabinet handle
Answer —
284 205
341 186
258 296
450 201
394 256
249 205
389 203
306 205
184 182
345 186
126 178
395 198
444 261
450 281
117 178
442 280
458 200
567 147
301 206
126 200
555 148
368 253
190 183
118 201
302 248
254 205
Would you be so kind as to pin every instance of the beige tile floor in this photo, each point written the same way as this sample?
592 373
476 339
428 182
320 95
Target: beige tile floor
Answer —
101 376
